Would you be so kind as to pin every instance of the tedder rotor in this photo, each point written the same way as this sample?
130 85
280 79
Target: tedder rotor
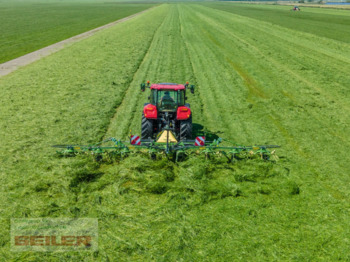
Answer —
166 129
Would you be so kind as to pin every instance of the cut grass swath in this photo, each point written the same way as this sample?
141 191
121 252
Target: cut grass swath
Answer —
256 84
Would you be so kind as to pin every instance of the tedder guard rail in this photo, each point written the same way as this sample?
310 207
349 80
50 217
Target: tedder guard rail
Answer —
174 150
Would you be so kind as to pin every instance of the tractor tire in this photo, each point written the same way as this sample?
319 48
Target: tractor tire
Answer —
186 129
146 128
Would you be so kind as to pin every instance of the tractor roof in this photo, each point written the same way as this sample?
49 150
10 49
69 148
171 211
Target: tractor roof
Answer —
169 86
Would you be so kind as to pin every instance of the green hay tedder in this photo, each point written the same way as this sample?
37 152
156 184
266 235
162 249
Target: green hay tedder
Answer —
166 130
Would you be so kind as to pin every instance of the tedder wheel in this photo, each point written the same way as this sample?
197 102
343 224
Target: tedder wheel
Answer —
186 129
146 128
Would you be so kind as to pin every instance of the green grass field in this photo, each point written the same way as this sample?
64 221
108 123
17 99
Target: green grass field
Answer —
29 26
257 81
327 23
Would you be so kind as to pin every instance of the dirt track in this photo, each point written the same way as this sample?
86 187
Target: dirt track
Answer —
12 65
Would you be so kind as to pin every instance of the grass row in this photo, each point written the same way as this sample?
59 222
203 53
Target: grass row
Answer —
29 26
285 100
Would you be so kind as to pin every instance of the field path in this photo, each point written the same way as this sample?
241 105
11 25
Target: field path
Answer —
12 65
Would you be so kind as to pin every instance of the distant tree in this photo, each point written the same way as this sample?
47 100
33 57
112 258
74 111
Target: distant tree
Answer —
301 1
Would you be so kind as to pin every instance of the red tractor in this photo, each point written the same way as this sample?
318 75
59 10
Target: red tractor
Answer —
167 110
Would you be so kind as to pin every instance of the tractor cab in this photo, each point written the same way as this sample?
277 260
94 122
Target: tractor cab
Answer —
167 110
167 97
167 101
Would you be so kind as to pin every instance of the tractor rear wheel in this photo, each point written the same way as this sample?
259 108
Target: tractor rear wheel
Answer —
146 128
186 129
